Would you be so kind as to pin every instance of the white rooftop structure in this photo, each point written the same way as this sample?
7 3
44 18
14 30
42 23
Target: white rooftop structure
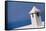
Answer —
35 17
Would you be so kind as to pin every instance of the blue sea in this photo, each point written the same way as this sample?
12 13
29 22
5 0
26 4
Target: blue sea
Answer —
18 13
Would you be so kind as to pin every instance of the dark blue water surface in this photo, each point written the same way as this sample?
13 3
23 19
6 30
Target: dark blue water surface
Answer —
18 13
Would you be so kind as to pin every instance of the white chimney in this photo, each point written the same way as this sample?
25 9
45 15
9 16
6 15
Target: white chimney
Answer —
35 17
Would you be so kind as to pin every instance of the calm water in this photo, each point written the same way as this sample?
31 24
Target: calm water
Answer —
18 13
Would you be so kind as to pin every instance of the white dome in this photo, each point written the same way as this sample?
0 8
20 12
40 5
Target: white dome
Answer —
34 10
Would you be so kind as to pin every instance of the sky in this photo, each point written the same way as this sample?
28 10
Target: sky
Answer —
18 13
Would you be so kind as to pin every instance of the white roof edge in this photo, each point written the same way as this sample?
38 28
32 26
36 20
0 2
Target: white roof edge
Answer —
34 10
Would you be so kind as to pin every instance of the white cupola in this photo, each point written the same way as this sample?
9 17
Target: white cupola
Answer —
35 17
